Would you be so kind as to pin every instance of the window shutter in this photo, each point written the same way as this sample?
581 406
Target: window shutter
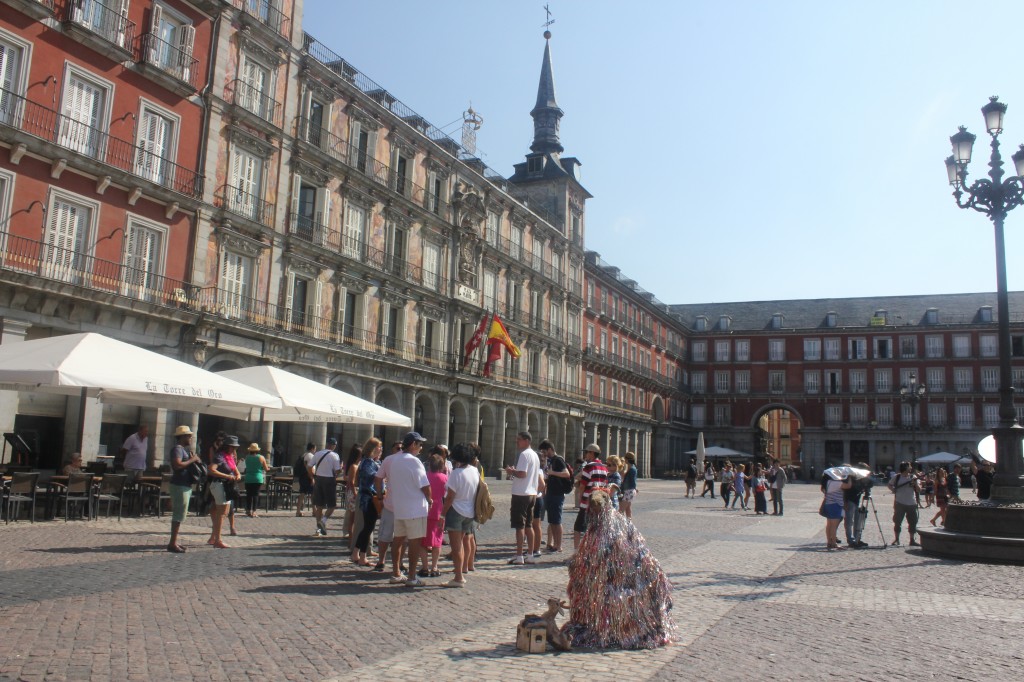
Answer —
296 188
122 25
313 306
186 41
156 16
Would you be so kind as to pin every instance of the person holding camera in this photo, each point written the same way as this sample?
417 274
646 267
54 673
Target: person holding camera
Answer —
855 502
905 487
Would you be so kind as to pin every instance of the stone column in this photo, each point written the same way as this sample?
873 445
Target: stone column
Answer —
444 434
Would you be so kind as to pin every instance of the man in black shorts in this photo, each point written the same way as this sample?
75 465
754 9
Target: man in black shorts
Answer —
325 469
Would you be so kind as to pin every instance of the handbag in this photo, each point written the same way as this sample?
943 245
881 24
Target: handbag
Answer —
821 509
197 471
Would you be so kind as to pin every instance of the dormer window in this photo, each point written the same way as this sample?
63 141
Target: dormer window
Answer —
535 164
701 324
777 320
724 322
985 313
831 319
931 316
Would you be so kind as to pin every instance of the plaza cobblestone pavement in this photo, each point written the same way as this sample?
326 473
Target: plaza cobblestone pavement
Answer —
754 596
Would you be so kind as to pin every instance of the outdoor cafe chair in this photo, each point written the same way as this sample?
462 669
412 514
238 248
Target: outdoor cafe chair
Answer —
21 489
112 489
78 490
156 493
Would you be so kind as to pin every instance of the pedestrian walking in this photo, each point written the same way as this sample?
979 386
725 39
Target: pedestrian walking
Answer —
629 488
709 480
725 488
300 472
324 471
220 475
905 487
778 479
255 475
182 458
941 497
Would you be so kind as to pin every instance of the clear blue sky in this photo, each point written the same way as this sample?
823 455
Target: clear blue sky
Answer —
736 150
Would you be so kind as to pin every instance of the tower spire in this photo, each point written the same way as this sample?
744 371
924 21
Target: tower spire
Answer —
546 113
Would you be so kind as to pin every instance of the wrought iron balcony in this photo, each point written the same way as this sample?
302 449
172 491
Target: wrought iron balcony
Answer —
55 263
245 204
313 230
93 19
253 100
92 143
170 59
268 14
37 9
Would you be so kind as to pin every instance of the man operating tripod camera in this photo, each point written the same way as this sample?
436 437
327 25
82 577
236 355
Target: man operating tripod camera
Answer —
855 503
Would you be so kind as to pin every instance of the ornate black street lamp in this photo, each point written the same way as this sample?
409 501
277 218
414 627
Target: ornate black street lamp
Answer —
995 197
912 393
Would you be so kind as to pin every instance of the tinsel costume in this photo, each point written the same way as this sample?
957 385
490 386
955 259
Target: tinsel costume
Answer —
618 595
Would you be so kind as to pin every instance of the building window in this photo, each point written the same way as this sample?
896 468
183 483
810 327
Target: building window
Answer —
833 416
936 377
721 382
743 381
963 379
908 346
777 382
776 350
701 325
961 346
83 125
858 380
699 382
936 414
777 320
964 416
1018 381
493 227
70 223
990 414
883 380
245 190
697 415
988 345
143 261
699 351
985 314
833 381
401 171
857 349
351 308
355 230
13 59
723 416
858 415
490 290
832 348
108 20
989 379
170 43
721 351
883 347
362 145
883 415
831 319
812 382
812 349
431 266
254 90
516 242
933 347
742 350
302 299
234 283
156 146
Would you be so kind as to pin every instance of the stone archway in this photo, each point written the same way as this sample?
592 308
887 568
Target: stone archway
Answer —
776 430
389 397
425 418
553 432
491 434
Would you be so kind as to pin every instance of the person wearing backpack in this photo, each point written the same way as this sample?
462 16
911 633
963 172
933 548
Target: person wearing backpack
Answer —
559 480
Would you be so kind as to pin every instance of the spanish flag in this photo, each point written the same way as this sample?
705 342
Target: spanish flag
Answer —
500 335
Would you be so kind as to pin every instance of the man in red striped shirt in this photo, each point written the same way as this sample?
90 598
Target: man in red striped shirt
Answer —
593 476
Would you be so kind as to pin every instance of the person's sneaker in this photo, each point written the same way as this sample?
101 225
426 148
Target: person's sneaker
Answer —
319 533
915 543
323 527
414 582
395 579
536 555
454 583
531 559
862 545
516 561
552 550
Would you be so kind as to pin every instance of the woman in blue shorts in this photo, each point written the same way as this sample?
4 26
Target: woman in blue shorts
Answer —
832 507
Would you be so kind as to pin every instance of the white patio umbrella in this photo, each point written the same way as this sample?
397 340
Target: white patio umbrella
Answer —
839 473
94 365
939 458
718 451
305 400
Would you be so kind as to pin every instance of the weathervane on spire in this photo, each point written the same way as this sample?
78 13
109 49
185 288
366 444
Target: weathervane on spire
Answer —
547 11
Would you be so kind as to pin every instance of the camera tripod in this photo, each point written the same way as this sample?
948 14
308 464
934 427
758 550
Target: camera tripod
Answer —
874 509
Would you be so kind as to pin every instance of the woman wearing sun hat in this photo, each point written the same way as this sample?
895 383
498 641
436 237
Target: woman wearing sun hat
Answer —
220 475
182 458
255 467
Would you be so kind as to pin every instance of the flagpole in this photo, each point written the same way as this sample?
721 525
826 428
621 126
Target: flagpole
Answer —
489 317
